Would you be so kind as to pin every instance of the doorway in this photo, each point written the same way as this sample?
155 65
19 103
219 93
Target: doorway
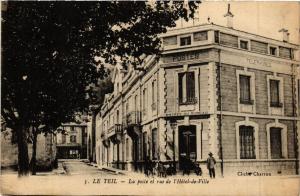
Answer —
187 144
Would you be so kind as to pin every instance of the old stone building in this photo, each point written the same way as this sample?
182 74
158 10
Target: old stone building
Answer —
72 141
213 89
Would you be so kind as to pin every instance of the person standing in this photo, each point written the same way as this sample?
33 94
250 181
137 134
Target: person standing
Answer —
211 165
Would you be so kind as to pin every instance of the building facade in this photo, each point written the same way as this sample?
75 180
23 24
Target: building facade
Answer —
72 141
213 89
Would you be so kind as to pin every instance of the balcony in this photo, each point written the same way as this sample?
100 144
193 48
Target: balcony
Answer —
188 101
117 137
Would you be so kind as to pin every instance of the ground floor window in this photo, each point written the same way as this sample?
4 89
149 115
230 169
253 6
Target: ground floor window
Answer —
275 142
247 142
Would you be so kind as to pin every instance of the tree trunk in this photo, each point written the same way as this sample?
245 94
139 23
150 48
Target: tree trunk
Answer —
23 160
33 158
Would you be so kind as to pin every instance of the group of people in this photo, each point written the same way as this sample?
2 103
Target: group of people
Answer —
162 170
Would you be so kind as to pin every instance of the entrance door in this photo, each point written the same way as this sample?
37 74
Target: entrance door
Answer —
187 144
275 137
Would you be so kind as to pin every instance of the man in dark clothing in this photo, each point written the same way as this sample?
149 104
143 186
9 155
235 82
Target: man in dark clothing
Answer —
211 165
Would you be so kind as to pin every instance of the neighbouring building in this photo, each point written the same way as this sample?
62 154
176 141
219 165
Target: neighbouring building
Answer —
213 89
45 151
72 141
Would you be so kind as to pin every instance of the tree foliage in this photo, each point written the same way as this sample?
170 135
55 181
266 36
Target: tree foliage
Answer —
49 50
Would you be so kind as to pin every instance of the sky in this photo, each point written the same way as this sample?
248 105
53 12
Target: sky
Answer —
262 18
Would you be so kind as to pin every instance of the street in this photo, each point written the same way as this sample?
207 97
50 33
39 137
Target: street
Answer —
79 167
81 178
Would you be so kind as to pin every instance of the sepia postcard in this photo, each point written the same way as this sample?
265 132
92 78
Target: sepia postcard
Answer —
150 98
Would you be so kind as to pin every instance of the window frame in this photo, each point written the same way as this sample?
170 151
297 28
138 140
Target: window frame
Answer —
190 35
279 108
284 143
243 107
256 137
189 100
243 128
273 103
244 40
276 48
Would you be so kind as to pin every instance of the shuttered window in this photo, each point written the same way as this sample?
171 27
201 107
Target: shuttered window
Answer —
186 85
247 142
200 36
170 40
274 93
260 47
229 40
245 92
285 52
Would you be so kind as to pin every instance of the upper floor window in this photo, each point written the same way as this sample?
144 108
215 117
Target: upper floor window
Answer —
144 102
245 91
273 50
186 86
153 106
247 143
200 36
185 41
244 44
118 116
73 138
274 93
63 138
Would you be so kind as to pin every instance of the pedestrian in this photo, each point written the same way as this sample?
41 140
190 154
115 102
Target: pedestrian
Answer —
211 165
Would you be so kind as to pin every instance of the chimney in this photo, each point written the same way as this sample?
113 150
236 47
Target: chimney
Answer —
285 34
229 17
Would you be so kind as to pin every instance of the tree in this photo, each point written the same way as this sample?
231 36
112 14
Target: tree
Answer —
49 50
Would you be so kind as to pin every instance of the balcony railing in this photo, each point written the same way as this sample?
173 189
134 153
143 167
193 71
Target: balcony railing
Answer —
118 128
188 101
276 104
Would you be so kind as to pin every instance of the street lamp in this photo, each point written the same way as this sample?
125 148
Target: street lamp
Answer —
173 125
